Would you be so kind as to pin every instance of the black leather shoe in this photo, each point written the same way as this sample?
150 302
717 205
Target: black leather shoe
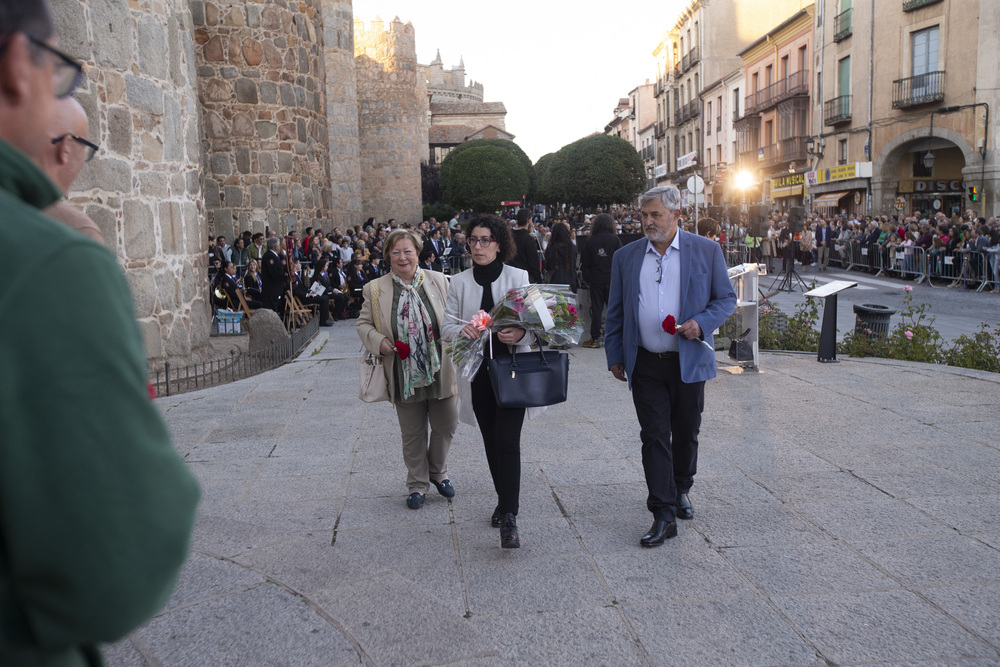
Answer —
415 500
508 532
684 508
445 488
661 530
327 323
495 519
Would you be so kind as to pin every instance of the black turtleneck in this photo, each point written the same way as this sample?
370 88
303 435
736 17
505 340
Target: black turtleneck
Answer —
485 275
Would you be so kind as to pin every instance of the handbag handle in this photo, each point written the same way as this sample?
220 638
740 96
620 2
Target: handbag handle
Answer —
513 353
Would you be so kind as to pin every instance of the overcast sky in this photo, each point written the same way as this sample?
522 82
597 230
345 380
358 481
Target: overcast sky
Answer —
559 67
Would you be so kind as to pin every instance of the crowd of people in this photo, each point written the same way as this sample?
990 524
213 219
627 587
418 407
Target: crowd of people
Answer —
912 247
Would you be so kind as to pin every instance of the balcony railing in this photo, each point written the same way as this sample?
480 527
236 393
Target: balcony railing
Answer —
796 83
916 90
768 155
708 126
837 110
792 148
661 129
718 123
842 26
679 116
692 109
748 159
657 89
690 59
910 5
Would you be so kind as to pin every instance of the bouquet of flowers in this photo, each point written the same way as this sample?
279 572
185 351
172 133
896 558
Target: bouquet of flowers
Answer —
547 311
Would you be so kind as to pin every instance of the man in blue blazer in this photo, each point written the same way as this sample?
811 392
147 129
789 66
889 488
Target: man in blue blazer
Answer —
669 292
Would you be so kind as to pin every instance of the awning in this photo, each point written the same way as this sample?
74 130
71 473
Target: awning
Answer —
829 200
792 191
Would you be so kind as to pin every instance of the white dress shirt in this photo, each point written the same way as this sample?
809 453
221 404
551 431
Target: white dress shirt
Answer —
659 299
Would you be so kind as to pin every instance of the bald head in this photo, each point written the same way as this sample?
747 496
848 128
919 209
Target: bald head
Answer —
63 160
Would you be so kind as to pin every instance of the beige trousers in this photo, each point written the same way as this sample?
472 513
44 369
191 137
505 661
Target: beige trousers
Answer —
426 458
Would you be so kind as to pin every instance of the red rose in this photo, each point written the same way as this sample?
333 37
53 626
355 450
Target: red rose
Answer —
403 350
670 325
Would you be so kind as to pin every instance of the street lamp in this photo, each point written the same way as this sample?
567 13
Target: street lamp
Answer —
928 160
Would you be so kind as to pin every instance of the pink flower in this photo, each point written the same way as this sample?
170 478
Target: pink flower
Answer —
482 320
909 335
907 288
572 309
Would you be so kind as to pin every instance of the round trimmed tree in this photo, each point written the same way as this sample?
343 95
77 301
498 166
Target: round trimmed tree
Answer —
479 178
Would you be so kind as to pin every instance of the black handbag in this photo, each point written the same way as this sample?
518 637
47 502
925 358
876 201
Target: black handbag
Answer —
531 380
740 348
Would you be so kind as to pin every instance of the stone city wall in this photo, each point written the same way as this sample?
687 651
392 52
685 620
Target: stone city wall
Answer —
342 113
261 83
143 189
392 112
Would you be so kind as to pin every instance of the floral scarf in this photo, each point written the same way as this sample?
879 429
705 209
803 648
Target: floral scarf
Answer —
416 330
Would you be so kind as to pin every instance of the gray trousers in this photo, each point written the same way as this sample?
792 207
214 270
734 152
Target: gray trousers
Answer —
426 457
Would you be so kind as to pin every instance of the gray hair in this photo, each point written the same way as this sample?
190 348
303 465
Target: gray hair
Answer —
668 195
272 243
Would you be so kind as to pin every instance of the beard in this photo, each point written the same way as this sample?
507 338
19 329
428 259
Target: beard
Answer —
656 235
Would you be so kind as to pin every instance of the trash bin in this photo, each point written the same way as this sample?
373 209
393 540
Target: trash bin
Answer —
872 319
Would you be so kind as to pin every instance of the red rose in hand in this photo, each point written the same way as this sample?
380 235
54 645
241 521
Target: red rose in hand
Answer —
670 325
403 350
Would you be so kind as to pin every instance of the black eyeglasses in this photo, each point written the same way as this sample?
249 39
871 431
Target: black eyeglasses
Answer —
91 148
69 73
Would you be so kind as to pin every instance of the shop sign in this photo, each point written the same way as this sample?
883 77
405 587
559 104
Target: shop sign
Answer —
840 173
787 181
910 187
661 171
687 161
721 172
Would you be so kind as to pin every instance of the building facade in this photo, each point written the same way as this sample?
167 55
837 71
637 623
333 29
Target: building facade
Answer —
701 48
903 118
457 110
723 103
777 111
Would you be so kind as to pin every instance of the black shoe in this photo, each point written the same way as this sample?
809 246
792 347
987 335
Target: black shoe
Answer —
328 323
415 500
684 508
661 530
445 488
495 519
508 532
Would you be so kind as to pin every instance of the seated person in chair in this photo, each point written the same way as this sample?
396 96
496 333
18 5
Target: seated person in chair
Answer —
322 276
225 289
301 292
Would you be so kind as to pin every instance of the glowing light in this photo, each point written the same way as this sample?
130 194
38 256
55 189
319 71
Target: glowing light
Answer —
744 179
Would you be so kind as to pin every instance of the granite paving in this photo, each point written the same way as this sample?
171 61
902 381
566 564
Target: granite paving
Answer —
845 514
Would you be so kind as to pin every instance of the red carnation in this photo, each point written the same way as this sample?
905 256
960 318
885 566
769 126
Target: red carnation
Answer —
403 350
670 325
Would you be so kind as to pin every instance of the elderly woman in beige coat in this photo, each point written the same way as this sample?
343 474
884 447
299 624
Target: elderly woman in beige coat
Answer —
400 321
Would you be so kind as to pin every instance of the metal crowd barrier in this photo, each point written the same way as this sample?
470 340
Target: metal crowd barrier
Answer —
973 269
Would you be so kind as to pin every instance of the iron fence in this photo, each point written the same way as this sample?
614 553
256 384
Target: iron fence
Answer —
179 379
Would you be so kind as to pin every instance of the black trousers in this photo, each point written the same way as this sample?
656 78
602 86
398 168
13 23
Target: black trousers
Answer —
669 412
324 306
598 300
501 429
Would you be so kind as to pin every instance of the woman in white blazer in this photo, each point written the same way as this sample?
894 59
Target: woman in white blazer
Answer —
480 288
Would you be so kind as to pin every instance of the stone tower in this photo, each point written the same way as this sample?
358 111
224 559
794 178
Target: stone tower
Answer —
342 113
144 189
262 88
392 120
